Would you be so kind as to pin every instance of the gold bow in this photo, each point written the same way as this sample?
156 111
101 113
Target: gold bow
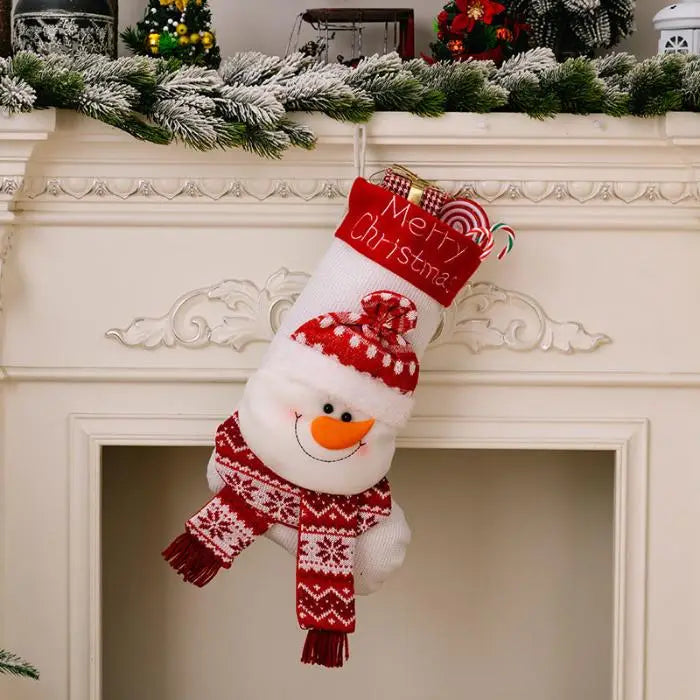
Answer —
418 184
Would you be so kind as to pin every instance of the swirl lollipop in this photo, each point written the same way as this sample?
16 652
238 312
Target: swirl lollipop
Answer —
469 218
464 215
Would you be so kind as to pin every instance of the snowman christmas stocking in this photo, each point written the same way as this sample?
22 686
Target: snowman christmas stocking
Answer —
305 457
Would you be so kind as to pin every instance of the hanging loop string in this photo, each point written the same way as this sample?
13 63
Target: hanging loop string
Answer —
360 150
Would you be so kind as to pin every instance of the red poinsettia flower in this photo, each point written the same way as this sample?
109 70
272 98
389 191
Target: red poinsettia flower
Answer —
442 16
473 11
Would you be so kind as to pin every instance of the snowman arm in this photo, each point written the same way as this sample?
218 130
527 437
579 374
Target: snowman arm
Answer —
216 483
378 552
286 537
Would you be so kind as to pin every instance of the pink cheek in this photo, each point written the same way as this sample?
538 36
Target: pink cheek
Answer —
292 414
364 450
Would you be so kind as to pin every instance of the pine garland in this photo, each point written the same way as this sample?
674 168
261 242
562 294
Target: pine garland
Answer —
14 665
249 101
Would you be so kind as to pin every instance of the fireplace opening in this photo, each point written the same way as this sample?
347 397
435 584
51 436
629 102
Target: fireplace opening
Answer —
506 592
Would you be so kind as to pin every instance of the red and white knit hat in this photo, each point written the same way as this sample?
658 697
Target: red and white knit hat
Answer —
371 342
361 355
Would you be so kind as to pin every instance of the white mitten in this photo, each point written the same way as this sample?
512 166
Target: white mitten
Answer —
378 552
216 483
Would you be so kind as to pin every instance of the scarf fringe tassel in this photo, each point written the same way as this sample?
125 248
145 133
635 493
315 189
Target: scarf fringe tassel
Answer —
326 648
192 560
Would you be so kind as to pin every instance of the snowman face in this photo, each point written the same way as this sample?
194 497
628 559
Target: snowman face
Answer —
313 438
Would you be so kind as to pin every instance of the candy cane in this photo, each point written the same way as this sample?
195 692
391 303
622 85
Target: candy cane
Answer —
510 241
484 239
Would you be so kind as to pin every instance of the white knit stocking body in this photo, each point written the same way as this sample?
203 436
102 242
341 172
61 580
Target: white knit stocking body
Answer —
342 278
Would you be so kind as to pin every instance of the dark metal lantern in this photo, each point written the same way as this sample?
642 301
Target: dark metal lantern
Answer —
398 34
64 26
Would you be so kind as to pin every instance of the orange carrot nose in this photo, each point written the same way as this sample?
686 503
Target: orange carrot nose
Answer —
336 434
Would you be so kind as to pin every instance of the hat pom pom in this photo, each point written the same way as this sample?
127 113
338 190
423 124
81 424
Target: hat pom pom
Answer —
389 311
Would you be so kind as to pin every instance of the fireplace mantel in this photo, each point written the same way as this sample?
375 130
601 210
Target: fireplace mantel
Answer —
141 283
509 160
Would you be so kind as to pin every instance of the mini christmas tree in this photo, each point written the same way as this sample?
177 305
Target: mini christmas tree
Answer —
480 29
576 27
176 29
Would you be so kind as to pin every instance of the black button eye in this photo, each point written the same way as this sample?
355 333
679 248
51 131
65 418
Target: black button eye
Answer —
328 408
346 417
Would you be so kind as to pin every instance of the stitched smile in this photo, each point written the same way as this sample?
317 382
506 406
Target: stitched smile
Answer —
318 459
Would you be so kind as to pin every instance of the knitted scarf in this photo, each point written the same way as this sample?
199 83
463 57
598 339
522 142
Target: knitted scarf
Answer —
253 499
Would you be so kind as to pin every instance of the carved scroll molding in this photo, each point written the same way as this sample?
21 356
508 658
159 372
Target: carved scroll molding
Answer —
485 316
260 190
244 314
235 313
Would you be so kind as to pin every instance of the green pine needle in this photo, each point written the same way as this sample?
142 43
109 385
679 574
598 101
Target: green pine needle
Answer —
55 85
430 104
135 125
135 39
299 134
656 86
576 85
14 665
266 143
230 134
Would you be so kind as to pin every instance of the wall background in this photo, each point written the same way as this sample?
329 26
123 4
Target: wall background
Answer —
510 567
265 25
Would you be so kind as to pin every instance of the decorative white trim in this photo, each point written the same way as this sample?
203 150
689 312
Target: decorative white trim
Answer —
485 316
10 185
212 189
581 191
227 375
482 316
306 190
255 318
626 438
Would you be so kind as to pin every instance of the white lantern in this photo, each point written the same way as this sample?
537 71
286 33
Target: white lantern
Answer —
679 25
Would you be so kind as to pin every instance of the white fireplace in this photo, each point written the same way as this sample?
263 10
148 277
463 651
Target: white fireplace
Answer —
554 444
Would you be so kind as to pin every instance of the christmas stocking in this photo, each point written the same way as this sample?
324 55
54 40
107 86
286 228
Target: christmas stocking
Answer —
305 457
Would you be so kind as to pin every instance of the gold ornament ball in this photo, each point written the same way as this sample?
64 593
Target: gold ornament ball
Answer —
153 42
194 38
183 40
207 40
181 29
